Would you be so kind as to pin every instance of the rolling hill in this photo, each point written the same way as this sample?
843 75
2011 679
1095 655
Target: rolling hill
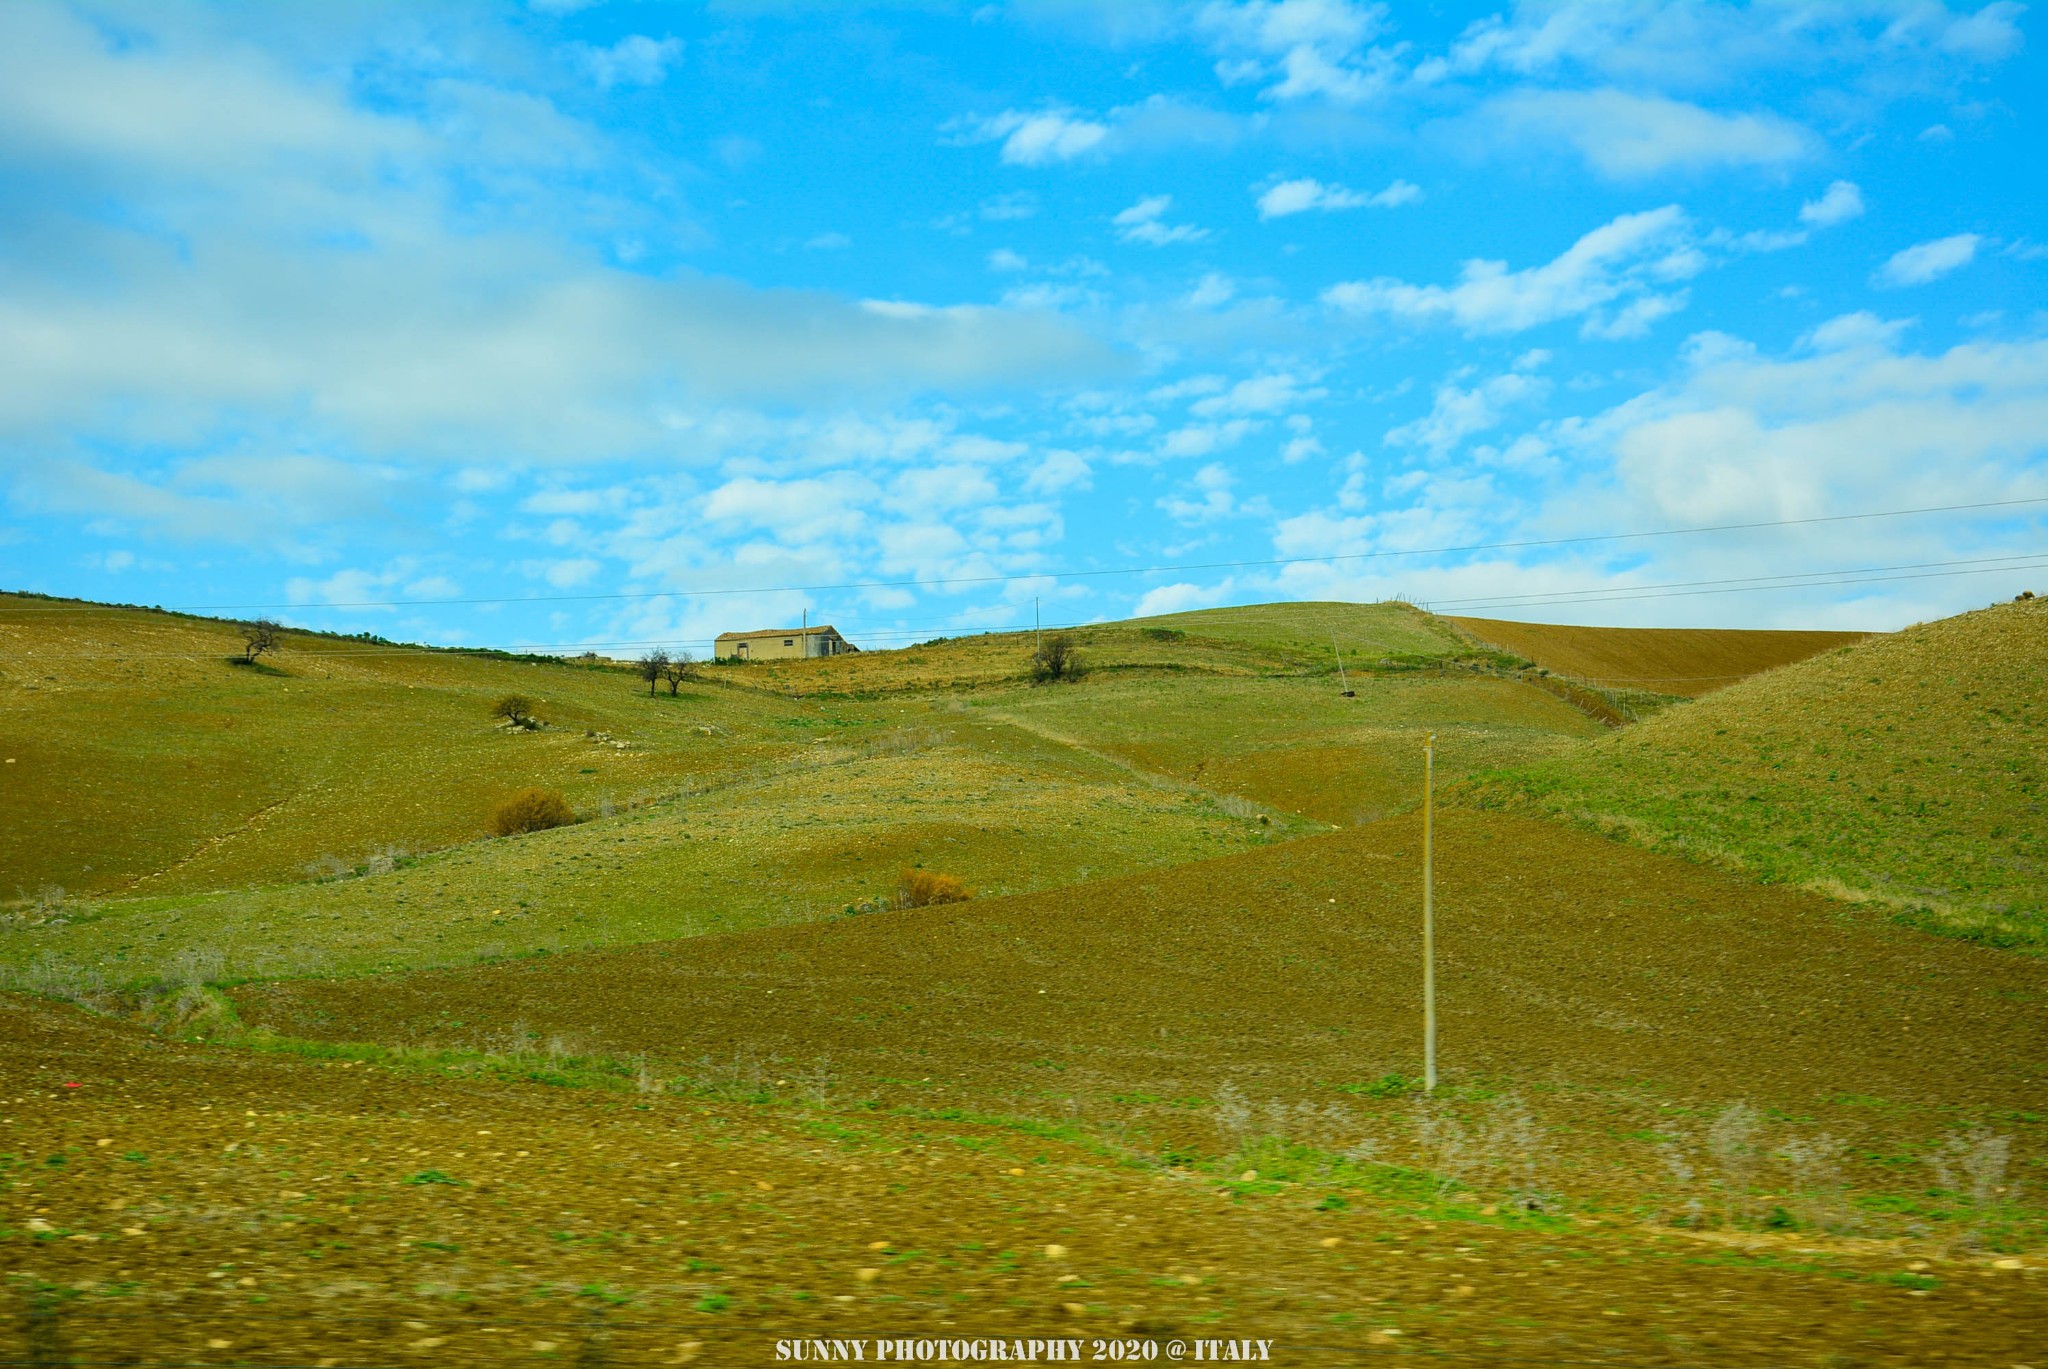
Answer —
1906 770
644 1087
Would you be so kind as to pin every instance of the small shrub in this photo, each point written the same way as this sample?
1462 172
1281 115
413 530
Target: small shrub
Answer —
923 888
515 709
1056 659
530 810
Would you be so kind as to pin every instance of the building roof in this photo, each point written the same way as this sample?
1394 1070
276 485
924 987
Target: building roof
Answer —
818 631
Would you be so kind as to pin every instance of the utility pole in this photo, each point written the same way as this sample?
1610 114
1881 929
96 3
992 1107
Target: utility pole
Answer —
1428 916
1343 680
1034 624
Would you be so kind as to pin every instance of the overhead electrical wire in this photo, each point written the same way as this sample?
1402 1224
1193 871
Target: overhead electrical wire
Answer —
1052 575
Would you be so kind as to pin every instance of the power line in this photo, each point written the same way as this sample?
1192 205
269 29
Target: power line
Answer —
943 581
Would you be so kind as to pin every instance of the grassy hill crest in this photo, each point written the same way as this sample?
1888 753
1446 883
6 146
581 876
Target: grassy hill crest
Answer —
1905 770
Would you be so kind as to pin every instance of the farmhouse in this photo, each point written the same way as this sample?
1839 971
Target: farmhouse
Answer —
784 643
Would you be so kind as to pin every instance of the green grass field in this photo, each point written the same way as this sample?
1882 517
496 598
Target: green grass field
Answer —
1907 771
324 814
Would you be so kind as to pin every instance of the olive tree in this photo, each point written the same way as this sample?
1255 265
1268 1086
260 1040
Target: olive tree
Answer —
259 637
652 667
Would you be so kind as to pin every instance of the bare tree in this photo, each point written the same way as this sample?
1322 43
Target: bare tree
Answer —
652 667
259 637
682 666
1056 659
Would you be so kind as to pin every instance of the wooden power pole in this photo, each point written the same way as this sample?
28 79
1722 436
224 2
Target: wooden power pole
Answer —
1428 915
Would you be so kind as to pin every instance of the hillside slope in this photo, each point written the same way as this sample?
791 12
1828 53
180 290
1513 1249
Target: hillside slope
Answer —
141 759
1908 770
1685 661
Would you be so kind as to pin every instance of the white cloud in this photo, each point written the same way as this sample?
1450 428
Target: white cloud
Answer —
1060 470
940 489
828 242
1853 427
334 274
1927 261
1621 261
1305 48
1181 597
1627 136
1264 394
796 512
1304 194
1201 439
1711 44
1841 202
1457 414
571 573
1144 222
1003 259
1208 497
634 61
1860 330
1019 204
1212 291
1035 139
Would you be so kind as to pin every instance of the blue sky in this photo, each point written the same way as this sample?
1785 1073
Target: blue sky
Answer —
532 325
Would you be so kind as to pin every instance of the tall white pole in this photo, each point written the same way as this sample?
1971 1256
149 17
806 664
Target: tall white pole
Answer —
1428 915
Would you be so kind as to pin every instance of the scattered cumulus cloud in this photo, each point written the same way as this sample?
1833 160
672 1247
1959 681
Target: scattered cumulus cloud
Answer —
1460 410
1627 136
634 61
1841 202
1302 49
1040 138
1145 222
1613 276
1929 261
1303 194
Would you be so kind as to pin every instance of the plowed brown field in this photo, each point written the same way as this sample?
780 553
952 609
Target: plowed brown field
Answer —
1662 660
1615 990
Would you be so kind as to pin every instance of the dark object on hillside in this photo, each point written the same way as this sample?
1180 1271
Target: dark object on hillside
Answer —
530 810
651 667
517 710
2023 595
682 667
1056 659
923 888
259 637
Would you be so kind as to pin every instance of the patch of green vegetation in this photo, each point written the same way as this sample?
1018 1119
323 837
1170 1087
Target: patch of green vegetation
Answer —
1888 774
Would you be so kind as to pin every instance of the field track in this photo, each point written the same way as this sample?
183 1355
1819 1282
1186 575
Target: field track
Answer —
1682 661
